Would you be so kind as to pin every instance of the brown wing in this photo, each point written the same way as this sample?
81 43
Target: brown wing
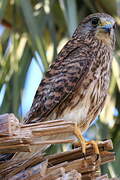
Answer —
60 81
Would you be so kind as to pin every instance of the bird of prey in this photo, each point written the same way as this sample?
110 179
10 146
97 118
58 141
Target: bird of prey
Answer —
76 84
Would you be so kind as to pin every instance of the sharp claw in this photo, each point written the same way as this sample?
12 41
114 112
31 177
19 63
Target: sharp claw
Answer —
83 143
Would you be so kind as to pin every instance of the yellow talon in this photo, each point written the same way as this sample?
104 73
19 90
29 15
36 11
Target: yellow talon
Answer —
83 142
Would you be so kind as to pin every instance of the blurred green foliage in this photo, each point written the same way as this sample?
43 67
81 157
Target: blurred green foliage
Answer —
43 26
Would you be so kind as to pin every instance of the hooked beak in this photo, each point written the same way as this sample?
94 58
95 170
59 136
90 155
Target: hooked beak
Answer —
106 26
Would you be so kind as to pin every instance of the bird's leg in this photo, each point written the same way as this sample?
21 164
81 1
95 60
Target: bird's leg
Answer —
83 142
78 134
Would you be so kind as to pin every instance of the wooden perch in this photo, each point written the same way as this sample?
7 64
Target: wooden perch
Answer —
16 137
49 167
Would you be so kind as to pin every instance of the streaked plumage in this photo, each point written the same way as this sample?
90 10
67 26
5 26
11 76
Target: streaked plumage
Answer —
75 87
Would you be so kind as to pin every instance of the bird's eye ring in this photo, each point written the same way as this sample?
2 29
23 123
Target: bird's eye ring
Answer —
95 21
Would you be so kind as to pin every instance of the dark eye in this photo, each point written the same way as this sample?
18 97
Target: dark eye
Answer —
95 21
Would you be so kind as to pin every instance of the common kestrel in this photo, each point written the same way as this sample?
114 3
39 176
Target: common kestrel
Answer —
76 84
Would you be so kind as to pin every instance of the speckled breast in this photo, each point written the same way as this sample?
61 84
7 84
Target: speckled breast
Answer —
88 100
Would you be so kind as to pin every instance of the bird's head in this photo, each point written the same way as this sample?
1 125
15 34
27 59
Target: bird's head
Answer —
99 25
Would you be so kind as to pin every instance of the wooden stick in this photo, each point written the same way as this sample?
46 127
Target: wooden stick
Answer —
17 137
8 124
22 137
86 167
68 160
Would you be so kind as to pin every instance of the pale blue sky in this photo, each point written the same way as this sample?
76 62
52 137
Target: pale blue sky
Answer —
34 76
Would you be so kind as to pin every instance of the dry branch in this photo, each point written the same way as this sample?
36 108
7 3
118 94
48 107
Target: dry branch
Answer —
16 137
53 163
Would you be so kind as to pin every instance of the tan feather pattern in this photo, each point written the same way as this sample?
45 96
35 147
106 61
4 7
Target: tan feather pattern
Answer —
76 84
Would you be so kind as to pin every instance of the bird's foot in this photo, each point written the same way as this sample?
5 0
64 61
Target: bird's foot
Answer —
83 143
